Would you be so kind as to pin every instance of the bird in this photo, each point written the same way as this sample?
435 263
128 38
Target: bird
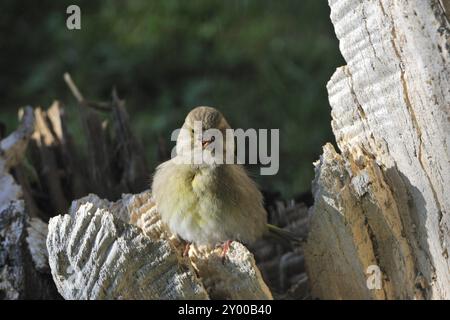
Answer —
210 203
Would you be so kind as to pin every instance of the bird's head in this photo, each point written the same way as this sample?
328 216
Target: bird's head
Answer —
201 129
205 118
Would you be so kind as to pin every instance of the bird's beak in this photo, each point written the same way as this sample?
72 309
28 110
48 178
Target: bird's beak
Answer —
207 142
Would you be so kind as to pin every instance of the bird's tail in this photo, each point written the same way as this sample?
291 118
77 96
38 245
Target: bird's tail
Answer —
285 236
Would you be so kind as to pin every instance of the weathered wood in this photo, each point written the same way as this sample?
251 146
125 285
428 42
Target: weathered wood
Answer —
383 202
47 143
12 147
129 152
59 171
96 252
115 158
56 172
283 267
22 268
36 239
446 6
71 164
52 174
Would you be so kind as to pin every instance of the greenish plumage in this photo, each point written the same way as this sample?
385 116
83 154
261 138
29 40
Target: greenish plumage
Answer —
210 204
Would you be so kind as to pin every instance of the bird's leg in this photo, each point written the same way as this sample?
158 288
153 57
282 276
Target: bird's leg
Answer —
186 249
225 249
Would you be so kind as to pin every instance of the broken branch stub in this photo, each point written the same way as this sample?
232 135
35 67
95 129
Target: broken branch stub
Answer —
23 268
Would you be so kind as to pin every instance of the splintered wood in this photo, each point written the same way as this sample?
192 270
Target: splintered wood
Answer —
96 253
380 223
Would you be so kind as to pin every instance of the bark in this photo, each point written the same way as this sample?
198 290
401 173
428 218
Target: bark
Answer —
383 201
24 271
110 163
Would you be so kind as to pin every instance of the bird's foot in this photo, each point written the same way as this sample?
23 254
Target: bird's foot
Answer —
186 249
225 249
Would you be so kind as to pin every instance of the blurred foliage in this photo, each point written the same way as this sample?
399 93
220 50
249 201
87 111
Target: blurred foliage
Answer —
264 64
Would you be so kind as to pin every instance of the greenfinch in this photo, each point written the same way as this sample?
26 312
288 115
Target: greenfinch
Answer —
208 203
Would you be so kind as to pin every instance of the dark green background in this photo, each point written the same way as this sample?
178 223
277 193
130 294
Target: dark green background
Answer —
264 64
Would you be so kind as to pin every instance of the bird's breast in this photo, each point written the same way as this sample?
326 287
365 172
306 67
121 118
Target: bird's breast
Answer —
207 206
202 182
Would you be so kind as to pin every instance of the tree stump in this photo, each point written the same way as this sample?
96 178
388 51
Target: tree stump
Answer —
380 221
24 272
121 250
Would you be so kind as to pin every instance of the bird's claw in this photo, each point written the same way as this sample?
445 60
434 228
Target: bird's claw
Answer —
225 249
186 249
